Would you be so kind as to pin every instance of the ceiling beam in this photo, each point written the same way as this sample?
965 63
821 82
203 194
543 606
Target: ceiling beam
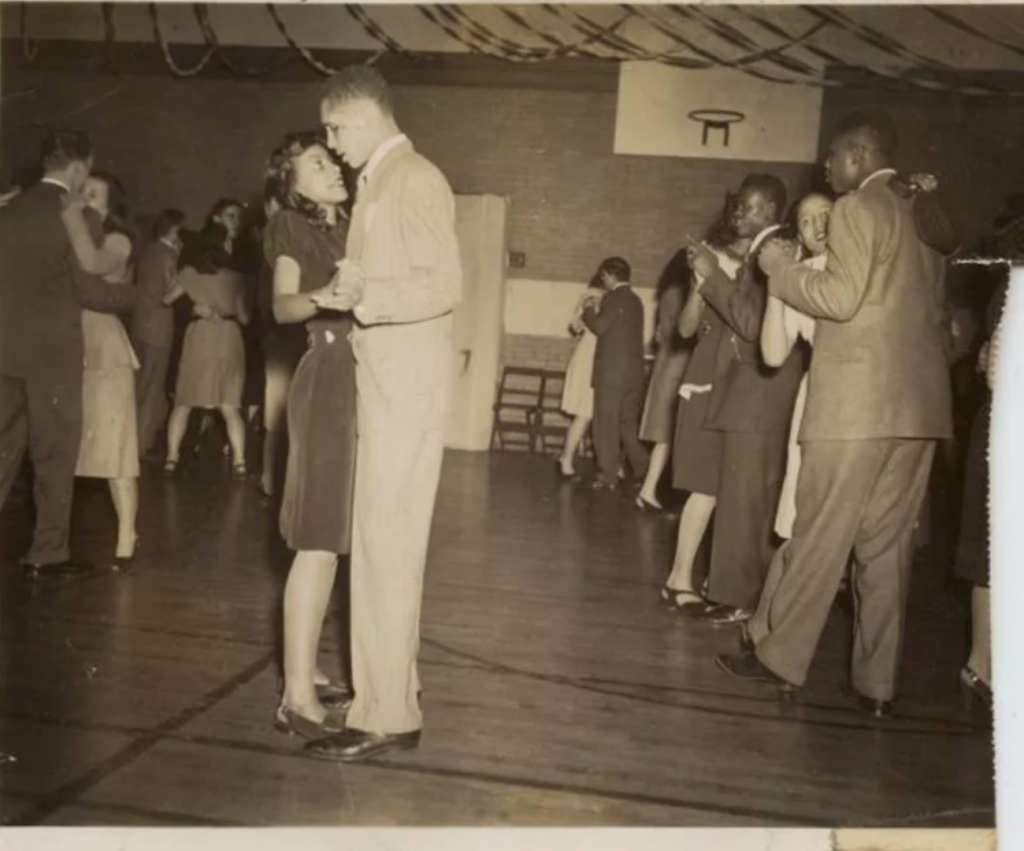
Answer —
285 64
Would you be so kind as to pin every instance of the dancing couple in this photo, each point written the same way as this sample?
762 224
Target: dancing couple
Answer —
367 407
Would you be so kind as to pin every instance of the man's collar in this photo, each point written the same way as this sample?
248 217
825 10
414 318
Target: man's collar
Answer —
173 246
382 151
879 173
55 182
761 237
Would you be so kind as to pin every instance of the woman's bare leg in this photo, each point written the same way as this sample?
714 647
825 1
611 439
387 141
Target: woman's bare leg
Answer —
176 426
659 458
573 440
306 597
693 524
980 660
125 495
236 433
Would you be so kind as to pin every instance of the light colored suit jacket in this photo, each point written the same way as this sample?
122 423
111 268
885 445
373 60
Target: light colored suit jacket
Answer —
403 237
880 366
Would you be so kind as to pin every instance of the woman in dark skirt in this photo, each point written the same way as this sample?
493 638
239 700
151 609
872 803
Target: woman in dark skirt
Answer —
658 423
303 243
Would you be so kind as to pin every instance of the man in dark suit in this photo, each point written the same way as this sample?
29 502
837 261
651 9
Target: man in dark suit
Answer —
618 374
752 406
878 401
42 293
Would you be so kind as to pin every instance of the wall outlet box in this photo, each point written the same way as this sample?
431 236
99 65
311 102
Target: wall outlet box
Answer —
517 259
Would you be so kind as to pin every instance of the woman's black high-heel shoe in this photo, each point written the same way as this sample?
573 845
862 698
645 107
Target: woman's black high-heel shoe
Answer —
975 690
564 476
671 598
123 564
292 723
648 507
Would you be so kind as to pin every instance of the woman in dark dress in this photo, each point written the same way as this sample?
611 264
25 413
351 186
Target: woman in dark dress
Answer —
972 556
303 243
696 450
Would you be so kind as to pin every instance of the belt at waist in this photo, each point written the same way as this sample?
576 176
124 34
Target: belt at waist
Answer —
325 336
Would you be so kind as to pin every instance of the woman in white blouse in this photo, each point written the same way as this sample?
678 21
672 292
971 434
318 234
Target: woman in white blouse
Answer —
781 329
109 447
577 390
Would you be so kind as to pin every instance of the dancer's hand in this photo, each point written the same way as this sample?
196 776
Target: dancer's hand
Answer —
776 255
924 182
72 204
702 259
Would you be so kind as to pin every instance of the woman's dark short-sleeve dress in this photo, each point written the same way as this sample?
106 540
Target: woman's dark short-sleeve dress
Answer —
316 510
972 552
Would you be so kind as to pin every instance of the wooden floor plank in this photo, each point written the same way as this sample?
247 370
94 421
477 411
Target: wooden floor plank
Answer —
268 789
557 690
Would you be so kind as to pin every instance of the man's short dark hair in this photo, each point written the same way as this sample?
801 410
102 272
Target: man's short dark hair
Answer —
359 82
876 123
617 268
770 186
61 148
166 220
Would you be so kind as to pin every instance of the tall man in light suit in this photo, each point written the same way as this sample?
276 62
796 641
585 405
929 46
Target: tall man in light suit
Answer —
402 276
878 400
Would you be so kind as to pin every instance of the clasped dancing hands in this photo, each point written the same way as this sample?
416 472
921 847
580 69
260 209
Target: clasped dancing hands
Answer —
345 289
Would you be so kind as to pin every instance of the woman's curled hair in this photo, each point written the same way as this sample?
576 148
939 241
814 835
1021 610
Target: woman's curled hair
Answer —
279 182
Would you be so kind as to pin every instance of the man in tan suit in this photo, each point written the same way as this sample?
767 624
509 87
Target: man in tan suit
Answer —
878 400
402 277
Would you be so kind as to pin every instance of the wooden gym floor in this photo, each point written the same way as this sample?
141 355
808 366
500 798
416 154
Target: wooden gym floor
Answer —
558 691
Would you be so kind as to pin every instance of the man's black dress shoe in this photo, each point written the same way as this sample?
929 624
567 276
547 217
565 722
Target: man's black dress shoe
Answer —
54 569
357 745
719 615
746 666
873 706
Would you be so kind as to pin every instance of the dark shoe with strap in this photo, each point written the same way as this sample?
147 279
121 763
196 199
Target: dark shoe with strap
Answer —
746 666
358 745
291 722
681 599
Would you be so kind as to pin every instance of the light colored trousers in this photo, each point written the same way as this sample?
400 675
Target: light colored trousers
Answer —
398 468
852 495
